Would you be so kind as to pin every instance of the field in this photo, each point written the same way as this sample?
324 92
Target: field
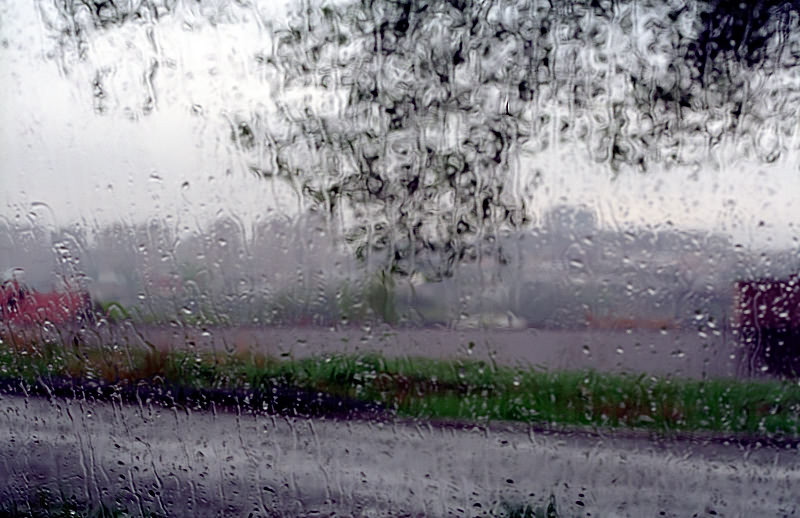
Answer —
411 387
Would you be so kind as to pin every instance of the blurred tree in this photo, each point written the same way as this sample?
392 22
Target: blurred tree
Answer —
405 120
418 139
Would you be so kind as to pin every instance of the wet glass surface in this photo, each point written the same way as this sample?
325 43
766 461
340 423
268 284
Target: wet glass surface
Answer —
379 258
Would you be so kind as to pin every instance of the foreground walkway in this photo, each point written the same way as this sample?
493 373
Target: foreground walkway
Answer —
181 463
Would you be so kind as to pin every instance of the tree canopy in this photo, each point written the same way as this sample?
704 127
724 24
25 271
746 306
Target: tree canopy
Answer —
405 120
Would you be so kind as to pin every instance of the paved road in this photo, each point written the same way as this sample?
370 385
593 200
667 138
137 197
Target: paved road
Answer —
674 352
215 464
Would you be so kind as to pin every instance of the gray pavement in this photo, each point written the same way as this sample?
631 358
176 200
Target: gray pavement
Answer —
181 463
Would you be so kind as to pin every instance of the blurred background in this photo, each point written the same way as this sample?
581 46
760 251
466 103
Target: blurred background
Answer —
586 166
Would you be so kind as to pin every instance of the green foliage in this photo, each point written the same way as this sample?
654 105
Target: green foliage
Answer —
114 311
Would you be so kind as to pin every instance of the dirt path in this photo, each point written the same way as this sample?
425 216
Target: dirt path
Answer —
673 352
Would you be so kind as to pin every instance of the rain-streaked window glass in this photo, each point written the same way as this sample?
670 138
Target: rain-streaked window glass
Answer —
399 258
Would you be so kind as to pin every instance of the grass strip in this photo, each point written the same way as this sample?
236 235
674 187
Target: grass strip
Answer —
431 389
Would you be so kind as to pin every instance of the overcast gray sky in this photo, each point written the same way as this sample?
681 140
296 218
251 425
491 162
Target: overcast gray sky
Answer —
62 162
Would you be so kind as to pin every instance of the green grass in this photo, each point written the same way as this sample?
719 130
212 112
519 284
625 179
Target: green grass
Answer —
447 389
